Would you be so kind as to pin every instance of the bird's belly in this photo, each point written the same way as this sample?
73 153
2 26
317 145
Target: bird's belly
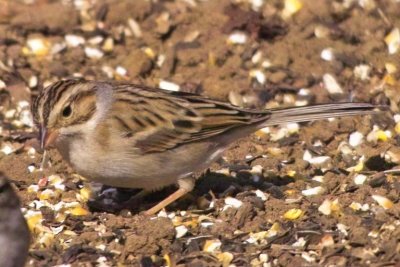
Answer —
149 171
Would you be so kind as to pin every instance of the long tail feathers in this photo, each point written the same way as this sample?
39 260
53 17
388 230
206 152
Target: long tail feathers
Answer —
321 111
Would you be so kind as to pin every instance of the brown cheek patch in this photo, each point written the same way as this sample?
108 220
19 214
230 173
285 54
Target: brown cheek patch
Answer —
86 107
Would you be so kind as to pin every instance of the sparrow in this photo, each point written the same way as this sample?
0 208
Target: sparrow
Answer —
14 232
133 136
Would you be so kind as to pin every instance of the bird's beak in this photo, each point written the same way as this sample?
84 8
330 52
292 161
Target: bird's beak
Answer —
47 138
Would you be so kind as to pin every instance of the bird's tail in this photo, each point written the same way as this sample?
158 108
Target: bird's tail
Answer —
320 111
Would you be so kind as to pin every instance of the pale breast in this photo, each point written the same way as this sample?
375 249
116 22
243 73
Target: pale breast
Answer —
150 171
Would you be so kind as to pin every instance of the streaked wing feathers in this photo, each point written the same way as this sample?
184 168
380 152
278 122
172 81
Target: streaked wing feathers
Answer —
163 120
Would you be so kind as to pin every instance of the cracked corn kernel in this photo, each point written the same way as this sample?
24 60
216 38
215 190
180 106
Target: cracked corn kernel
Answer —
397 128
212 245
84 194
36 47
78 211
329 207
390 68
389 79
225 258
293 214
392 40
383 135
33 221
291 7
46 239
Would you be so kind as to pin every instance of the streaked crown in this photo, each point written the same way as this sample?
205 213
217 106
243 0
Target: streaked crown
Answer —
64 103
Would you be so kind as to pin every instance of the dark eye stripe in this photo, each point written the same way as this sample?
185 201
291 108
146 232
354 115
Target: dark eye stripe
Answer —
50 96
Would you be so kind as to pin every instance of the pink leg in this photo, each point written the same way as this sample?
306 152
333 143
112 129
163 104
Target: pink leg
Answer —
185 185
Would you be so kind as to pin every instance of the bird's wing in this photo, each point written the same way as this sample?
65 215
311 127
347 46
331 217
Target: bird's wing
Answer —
156 120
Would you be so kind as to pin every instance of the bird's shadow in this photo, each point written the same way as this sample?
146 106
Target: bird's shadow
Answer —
208 185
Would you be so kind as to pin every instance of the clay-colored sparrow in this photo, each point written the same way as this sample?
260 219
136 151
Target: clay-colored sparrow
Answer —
127 135
14 232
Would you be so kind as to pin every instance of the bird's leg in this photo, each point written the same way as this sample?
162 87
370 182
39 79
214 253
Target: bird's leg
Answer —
185 185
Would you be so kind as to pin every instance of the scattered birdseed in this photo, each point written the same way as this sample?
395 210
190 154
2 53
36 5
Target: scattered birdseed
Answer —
149 52
390 68
328 207
121 71
356 139
225 258
309 256
212 245
232 202
321 31
94 53
331 85
266 64
318 178
319 161
360 179
7 148
392 40
383 201
362 72
261 237
327 54
290 8
74 40
293 214
342 228
96 40
359 167
256 58
261 195
169 86
258 75
33 81
357 206
37 47
326 241
300 243
108 45
378 135
135 28
237 38
318 190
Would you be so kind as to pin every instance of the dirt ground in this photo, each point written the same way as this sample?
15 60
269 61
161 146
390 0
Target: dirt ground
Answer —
321 194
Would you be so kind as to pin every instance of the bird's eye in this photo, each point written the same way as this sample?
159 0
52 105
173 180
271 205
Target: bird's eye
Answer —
67 111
